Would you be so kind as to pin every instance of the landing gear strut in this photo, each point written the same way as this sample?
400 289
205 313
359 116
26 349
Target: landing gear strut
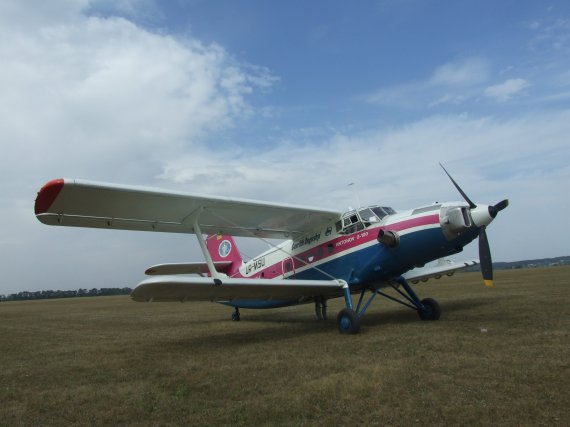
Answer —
235 315
321 308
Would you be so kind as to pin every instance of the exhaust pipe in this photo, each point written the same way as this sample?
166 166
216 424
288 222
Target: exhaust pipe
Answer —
389 238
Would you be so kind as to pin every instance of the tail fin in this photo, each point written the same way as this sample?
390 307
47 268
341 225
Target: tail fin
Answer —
224 248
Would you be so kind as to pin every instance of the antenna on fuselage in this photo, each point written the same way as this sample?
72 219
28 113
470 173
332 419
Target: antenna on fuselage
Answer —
355 194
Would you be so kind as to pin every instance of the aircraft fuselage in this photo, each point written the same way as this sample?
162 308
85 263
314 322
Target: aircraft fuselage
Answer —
352 250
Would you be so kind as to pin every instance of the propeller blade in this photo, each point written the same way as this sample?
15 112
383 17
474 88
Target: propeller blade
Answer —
485 258
494 210
467 199
502 205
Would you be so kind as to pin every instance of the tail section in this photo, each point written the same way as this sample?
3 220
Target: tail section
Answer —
224 249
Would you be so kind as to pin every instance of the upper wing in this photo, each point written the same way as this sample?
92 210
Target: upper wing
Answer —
92 204
176 288
444 266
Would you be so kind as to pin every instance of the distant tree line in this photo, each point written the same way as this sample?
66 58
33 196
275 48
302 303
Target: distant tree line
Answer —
26 295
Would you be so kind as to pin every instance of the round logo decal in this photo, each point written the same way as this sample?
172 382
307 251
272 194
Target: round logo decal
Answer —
225 248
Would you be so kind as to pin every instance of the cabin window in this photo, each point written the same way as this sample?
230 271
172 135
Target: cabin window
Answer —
351 223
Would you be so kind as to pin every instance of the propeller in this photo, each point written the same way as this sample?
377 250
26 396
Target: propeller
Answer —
480 214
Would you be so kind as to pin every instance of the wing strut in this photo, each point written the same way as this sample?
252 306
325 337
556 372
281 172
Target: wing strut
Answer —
213 272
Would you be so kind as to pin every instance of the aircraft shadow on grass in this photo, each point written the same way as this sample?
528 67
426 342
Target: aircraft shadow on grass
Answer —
300 325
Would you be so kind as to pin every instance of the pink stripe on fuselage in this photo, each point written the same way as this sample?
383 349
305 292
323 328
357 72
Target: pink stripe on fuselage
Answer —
342 244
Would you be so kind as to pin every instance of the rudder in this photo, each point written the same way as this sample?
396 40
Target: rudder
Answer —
224 248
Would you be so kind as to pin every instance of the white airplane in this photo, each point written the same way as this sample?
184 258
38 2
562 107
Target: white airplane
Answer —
325 253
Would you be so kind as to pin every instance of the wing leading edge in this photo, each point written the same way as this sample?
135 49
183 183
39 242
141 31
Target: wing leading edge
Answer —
78 203
176 288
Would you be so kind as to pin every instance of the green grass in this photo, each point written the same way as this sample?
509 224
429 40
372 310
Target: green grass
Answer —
497 357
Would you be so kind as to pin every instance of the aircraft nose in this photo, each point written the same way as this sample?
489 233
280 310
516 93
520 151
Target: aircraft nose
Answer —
482 215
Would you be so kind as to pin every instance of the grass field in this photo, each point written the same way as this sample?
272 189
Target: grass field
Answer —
497 357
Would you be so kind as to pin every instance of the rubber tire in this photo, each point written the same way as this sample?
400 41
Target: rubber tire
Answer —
348 321
235 317
431 310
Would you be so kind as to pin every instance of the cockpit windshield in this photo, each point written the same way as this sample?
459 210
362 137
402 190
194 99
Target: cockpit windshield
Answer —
358 220
383 211
368 216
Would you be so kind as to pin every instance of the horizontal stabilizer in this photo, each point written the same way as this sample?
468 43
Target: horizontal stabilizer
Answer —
186 268
176 288
443 267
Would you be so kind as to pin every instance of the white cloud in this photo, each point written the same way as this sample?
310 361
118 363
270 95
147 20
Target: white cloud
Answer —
506 90
454 82
551 36
81 94
95 98
470 71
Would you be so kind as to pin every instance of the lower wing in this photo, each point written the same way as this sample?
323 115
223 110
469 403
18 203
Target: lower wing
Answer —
444 266
176 288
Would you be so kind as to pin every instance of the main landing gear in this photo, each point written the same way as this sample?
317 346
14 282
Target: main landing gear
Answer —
348 319
235 315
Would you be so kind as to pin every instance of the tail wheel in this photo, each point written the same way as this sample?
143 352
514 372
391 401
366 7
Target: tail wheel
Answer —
430 310
348 321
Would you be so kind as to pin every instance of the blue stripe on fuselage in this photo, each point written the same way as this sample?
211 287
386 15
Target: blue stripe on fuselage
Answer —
379 262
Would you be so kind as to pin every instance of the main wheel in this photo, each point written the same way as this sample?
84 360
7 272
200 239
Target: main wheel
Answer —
235 316
430 311
348 321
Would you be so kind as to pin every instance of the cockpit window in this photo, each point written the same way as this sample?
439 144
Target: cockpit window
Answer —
368 216
381 212
350 223
355 221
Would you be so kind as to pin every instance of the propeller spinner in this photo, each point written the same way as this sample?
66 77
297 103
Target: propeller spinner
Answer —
482 216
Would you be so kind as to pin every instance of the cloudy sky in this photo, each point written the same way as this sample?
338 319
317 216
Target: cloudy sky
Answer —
281 101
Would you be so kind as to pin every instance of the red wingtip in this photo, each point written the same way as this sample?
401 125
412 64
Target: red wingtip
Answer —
47 195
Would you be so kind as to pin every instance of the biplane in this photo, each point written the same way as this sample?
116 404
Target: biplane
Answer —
322 254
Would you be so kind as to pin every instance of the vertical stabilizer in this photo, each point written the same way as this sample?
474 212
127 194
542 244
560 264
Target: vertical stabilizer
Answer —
224 248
